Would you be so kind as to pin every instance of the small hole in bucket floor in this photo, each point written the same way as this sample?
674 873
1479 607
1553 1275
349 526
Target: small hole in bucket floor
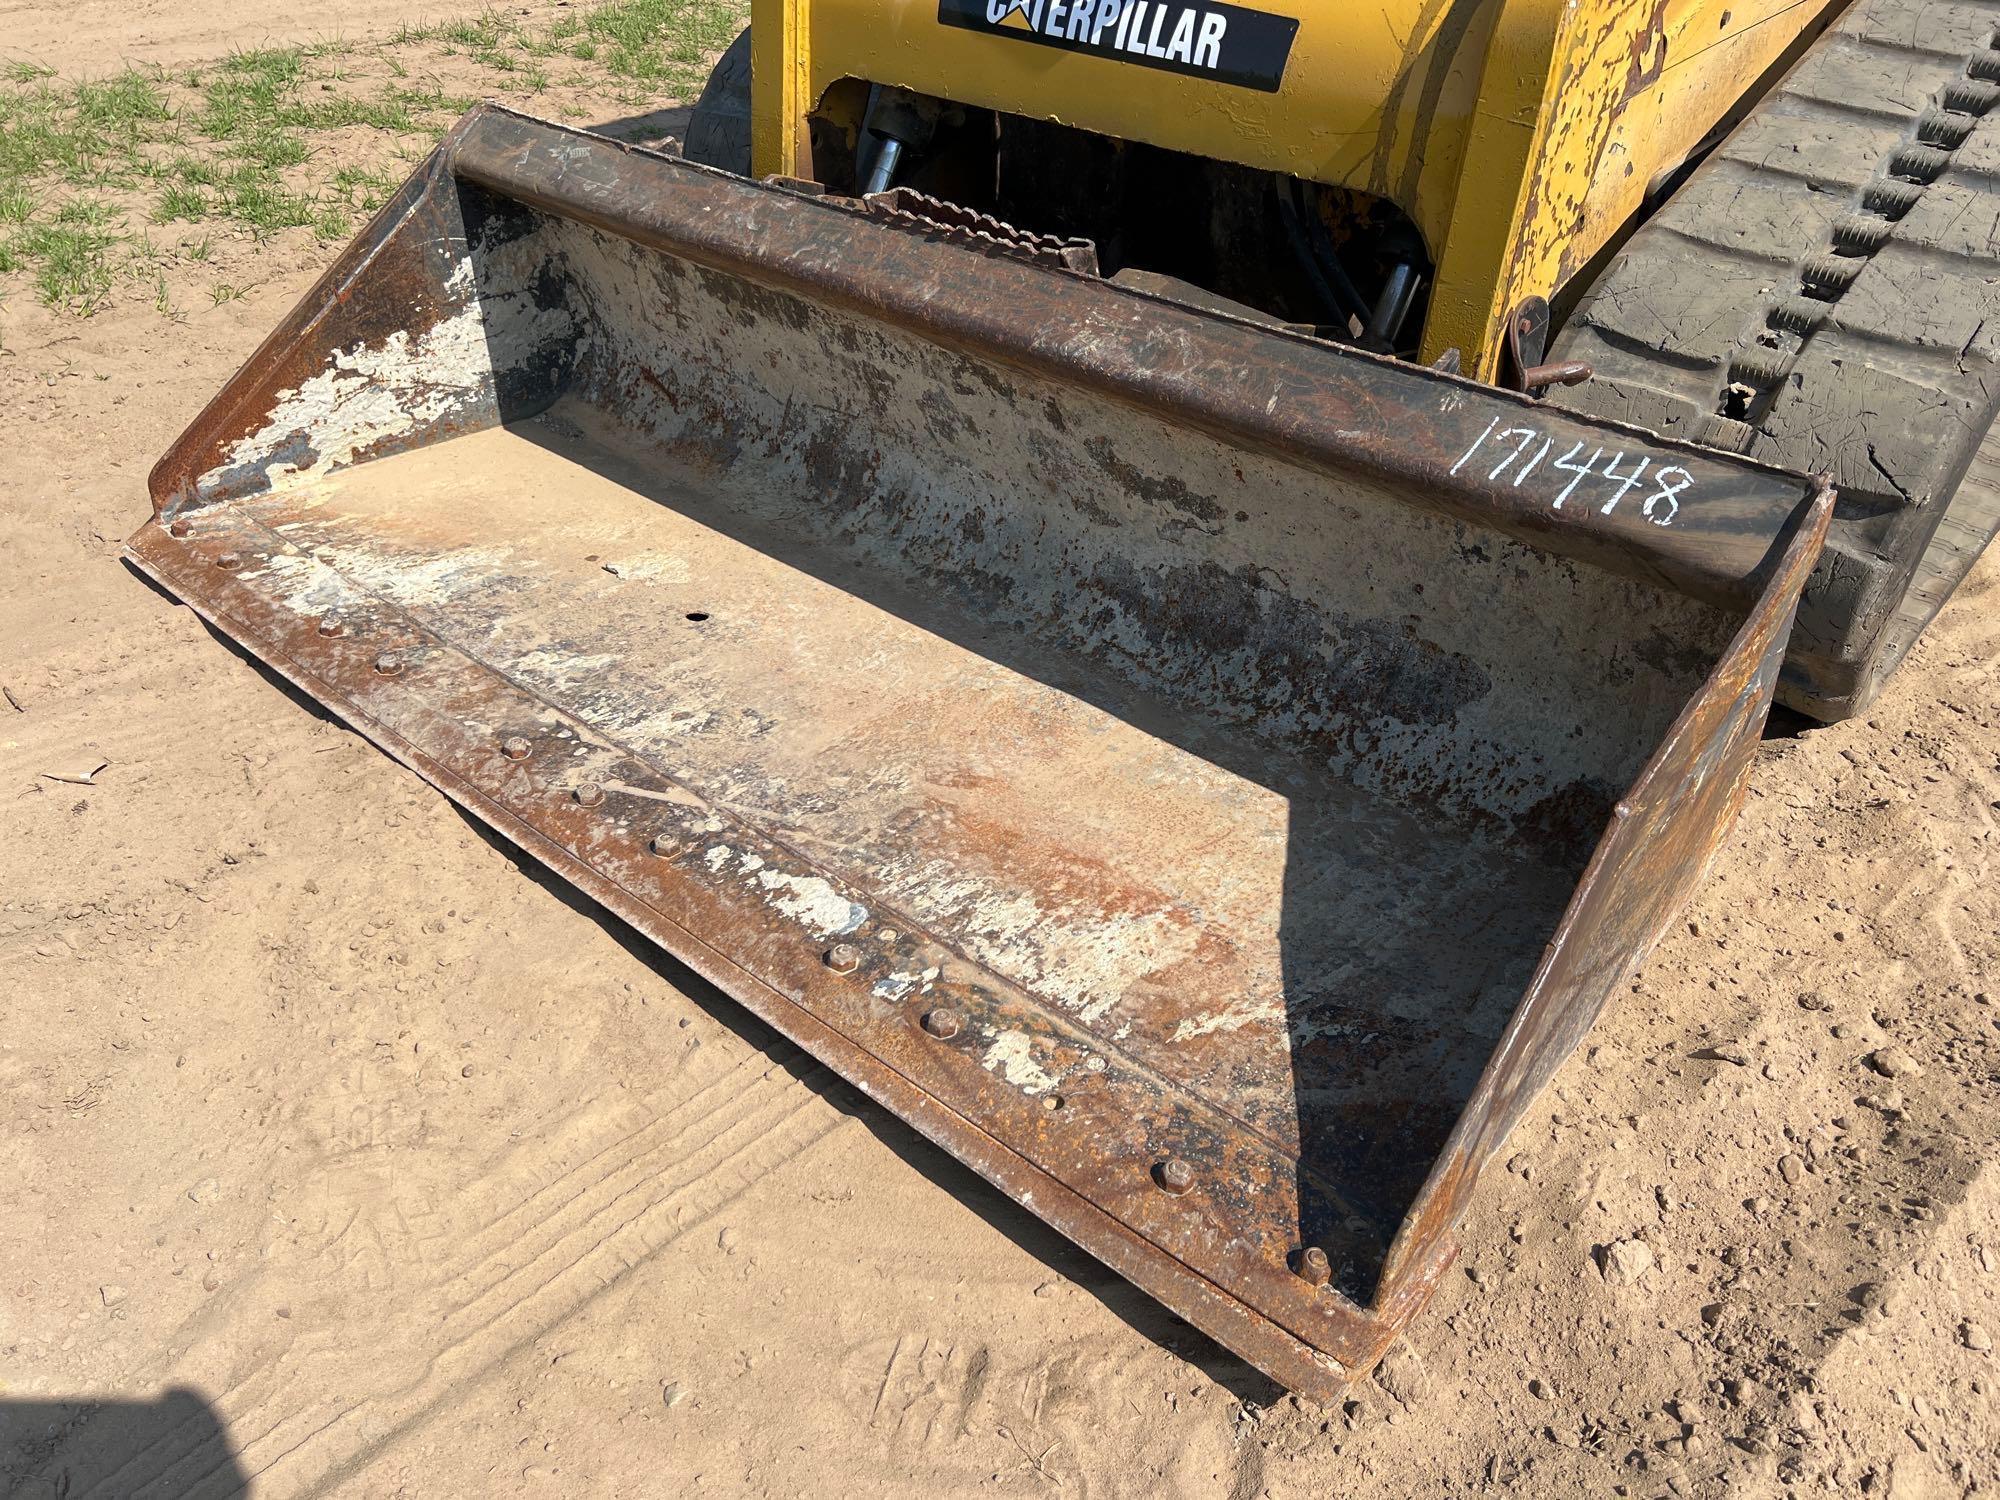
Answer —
697 615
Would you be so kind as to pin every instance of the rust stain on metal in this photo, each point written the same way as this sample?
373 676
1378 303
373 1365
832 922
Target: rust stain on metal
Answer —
1649 46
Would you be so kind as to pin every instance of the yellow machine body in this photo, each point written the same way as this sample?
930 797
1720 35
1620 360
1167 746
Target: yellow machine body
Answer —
1519 136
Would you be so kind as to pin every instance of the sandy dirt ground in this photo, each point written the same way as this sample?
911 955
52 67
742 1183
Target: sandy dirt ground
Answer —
341 1152
96 35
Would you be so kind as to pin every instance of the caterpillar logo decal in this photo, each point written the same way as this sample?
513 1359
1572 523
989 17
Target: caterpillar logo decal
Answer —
1228 43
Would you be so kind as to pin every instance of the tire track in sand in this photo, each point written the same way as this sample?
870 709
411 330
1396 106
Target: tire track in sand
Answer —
534 1237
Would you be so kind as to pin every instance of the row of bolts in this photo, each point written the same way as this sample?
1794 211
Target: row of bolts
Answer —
1172 1176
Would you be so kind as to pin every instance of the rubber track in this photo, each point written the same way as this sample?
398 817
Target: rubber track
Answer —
1824 293
718 129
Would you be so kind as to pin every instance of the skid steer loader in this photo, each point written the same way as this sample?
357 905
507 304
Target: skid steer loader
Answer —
1177 589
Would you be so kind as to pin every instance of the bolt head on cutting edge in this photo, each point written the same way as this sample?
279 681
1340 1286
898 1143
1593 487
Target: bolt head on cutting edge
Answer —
1173 1176
388 664
843 958
1312 1266
942 1024
516 747
589 793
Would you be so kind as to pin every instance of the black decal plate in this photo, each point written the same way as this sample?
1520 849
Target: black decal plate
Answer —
1227 43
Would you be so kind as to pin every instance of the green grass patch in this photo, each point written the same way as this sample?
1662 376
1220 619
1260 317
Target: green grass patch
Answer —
72 269
232 142
363 190
265 206
663 42
181 200
477 34
666 44
117 107
194 171
264 140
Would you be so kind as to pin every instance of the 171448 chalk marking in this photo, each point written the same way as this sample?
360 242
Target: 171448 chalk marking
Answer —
1525 449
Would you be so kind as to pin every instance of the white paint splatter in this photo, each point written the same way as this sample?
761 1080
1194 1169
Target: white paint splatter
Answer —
369 395
397 389
650 567
632 722
1233 1017
899 984
1011 1055
812 902
552 667
1088 971
301 584
335 571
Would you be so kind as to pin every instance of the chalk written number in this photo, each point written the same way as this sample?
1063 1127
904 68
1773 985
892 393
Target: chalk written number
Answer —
1522 452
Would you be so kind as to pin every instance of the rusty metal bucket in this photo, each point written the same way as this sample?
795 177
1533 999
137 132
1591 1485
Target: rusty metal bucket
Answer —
1205 779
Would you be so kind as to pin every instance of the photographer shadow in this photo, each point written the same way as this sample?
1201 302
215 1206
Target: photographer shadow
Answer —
173 1445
